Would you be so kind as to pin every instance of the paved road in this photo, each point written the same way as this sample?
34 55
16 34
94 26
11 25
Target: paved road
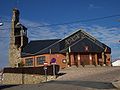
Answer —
87 78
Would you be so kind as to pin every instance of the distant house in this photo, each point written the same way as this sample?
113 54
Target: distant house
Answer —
116 62
79 48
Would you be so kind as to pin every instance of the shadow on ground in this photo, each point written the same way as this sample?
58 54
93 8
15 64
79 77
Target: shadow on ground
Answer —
87 84
6 86
60 74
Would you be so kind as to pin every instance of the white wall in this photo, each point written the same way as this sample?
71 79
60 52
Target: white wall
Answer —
116 63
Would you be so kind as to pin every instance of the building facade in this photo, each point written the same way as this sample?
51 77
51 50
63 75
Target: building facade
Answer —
79 48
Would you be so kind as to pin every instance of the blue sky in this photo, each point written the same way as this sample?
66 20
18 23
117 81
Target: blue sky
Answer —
44 12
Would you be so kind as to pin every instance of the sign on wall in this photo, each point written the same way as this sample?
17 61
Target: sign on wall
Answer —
73 38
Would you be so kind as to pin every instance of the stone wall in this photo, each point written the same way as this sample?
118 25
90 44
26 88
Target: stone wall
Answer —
14 56
28 75
13 78
10 78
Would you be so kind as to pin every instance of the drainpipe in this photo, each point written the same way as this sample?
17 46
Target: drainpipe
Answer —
34 61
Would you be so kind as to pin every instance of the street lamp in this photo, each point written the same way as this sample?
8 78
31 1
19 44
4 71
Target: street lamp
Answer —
1 24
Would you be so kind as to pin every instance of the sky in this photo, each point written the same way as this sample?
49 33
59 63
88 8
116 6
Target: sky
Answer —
34 13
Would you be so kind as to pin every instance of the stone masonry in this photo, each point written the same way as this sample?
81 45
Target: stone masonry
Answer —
28 75
16 40
25 78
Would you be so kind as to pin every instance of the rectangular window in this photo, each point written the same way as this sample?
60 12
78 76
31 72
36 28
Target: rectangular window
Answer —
29 62
40 60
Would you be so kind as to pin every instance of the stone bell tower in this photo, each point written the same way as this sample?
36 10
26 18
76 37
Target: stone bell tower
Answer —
18 39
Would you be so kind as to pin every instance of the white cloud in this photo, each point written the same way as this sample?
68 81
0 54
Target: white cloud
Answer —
35 31
109 36
92 6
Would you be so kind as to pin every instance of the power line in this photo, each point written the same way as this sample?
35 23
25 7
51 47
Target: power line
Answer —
73 22
72 27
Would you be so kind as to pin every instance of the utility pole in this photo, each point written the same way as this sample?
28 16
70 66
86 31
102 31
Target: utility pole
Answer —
119 21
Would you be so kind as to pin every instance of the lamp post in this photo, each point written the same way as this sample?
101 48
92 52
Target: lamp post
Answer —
1 24
45 69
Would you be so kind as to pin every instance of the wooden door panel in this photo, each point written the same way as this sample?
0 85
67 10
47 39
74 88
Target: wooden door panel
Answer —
85 59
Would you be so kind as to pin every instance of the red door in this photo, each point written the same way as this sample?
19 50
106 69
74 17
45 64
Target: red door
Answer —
85 59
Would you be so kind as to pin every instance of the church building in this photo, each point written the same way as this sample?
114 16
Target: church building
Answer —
79 48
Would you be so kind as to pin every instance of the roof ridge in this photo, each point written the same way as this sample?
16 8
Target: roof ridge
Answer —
93 39
72 44
43 48
47 47
115 60
58 41
72 33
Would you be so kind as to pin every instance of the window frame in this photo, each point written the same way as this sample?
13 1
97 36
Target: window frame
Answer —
29 62
40 60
